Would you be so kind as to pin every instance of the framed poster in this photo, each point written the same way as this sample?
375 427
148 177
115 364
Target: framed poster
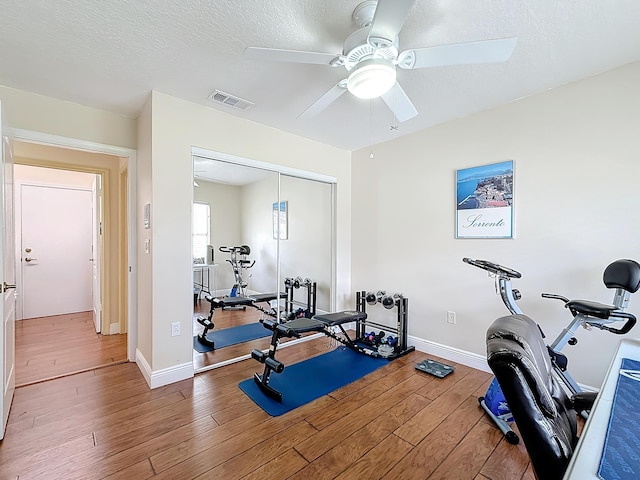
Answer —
280 220
484 201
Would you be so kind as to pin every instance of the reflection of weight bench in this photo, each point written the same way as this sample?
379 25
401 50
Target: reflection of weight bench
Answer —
295 328
231 302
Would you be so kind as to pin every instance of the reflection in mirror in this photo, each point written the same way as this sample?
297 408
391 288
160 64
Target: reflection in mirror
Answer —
251 257
238 197
307 251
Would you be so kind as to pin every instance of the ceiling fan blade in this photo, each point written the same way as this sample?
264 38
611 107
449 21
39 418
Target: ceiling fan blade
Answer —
399 103
294 56
483 51
325 100
389 18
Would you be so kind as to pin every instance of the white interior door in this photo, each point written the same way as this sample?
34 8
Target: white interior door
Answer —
56 250
7 283
96 250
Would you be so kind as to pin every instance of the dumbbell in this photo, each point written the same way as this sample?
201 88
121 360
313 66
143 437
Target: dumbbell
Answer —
373 337
373 298
389 302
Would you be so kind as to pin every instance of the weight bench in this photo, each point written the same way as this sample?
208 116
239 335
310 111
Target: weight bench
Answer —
295 328
232 302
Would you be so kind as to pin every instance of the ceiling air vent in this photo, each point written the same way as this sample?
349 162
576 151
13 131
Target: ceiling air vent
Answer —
230 100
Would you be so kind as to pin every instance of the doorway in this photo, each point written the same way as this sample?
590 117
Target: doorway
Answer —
56 246
52 343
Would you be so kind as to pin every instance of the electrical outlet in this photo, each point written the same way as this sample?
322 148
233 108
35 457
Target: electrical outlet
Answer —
451 317
175 329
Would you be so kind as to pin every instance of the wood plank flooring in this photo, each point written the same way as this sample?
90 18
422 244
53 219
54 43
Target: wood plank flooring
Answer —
49 347
394 423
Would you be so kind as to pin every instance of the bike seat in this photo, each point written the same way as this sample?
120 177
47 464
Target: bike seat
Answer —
592 309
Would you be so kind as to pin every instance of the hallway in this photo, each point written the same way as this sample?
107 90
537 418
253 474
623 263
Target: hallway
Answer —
50 347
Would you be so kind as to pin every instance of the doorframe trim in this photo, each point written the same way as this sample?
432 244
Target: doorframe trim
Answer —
47 139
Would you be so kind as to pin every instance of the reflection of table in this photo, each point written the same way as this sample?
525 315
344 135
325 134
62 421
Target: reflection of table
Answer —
202 279
586 459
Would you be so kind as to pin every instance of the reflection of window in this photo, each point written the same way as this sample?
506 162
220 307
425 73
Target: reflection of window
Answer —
201 236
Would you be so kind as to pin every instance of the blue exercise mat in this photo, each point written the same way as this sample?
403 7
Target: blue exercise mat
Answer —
305 381
620 456
232 336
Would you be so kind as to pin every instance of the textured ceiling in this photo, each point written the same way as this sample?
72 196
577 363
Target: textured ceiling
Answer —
109 55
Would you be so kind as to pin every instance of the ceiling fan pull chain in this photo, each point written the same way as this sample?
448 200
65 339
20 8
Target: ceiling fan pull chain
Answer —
371 128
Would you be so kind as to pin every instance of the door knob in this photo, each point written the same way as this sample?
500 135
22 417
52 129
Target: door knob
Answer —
5 286
28 250
28 259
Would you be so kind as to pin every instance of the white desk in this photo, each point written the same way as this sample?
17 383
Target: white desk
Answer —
586 458
202 278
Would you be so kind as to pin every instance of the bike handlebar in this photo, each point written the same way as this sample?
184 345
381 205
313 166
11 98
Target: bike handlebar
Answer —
626 328
556 297
242 249
493 268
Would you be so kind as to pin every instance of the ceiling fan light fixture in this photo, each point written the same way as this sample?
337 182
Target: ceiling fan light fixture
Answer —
371 78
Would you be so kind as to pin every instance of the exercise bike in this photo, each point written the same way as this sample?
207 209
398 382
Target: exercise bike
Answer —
623 275
239 263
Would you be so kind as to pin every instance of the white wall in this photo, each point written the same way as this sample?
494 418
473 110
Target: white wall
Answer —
145 268
30 111
257 232
577 164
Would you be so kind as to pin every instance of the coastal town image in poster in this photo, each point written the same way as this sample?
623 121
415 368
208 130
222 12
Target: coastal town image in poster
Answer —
484 201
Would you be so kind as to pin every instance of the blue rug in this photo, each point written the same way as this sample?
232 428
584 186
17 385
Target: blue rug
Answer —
232 336
620 459
305 381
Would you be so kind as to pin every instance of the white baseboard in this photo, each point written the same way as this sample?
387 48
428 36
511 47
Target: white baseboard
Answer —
473 360
114 328
144 367
165 376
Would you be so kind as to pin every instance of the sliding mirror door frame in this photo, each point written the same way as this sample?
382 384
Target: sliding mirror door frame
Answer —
280 170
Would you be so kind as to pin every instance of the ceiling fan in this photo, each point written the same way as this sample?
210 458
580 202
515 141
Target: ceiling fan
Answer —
371 54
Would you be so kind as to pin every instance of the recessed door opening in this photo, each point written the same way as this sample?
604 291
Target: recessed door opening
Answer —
61 239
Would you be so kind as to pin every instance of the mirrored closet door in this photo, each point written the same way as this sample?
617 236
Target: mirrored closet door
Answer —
306 249
270 236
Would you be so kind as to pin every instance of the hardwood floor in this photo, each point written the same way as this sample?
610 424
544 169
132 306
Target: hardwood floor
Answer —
394 423
49 347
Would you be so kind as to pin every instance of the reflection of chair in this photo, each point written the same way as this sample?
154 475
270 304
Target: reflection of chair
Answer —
542 410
